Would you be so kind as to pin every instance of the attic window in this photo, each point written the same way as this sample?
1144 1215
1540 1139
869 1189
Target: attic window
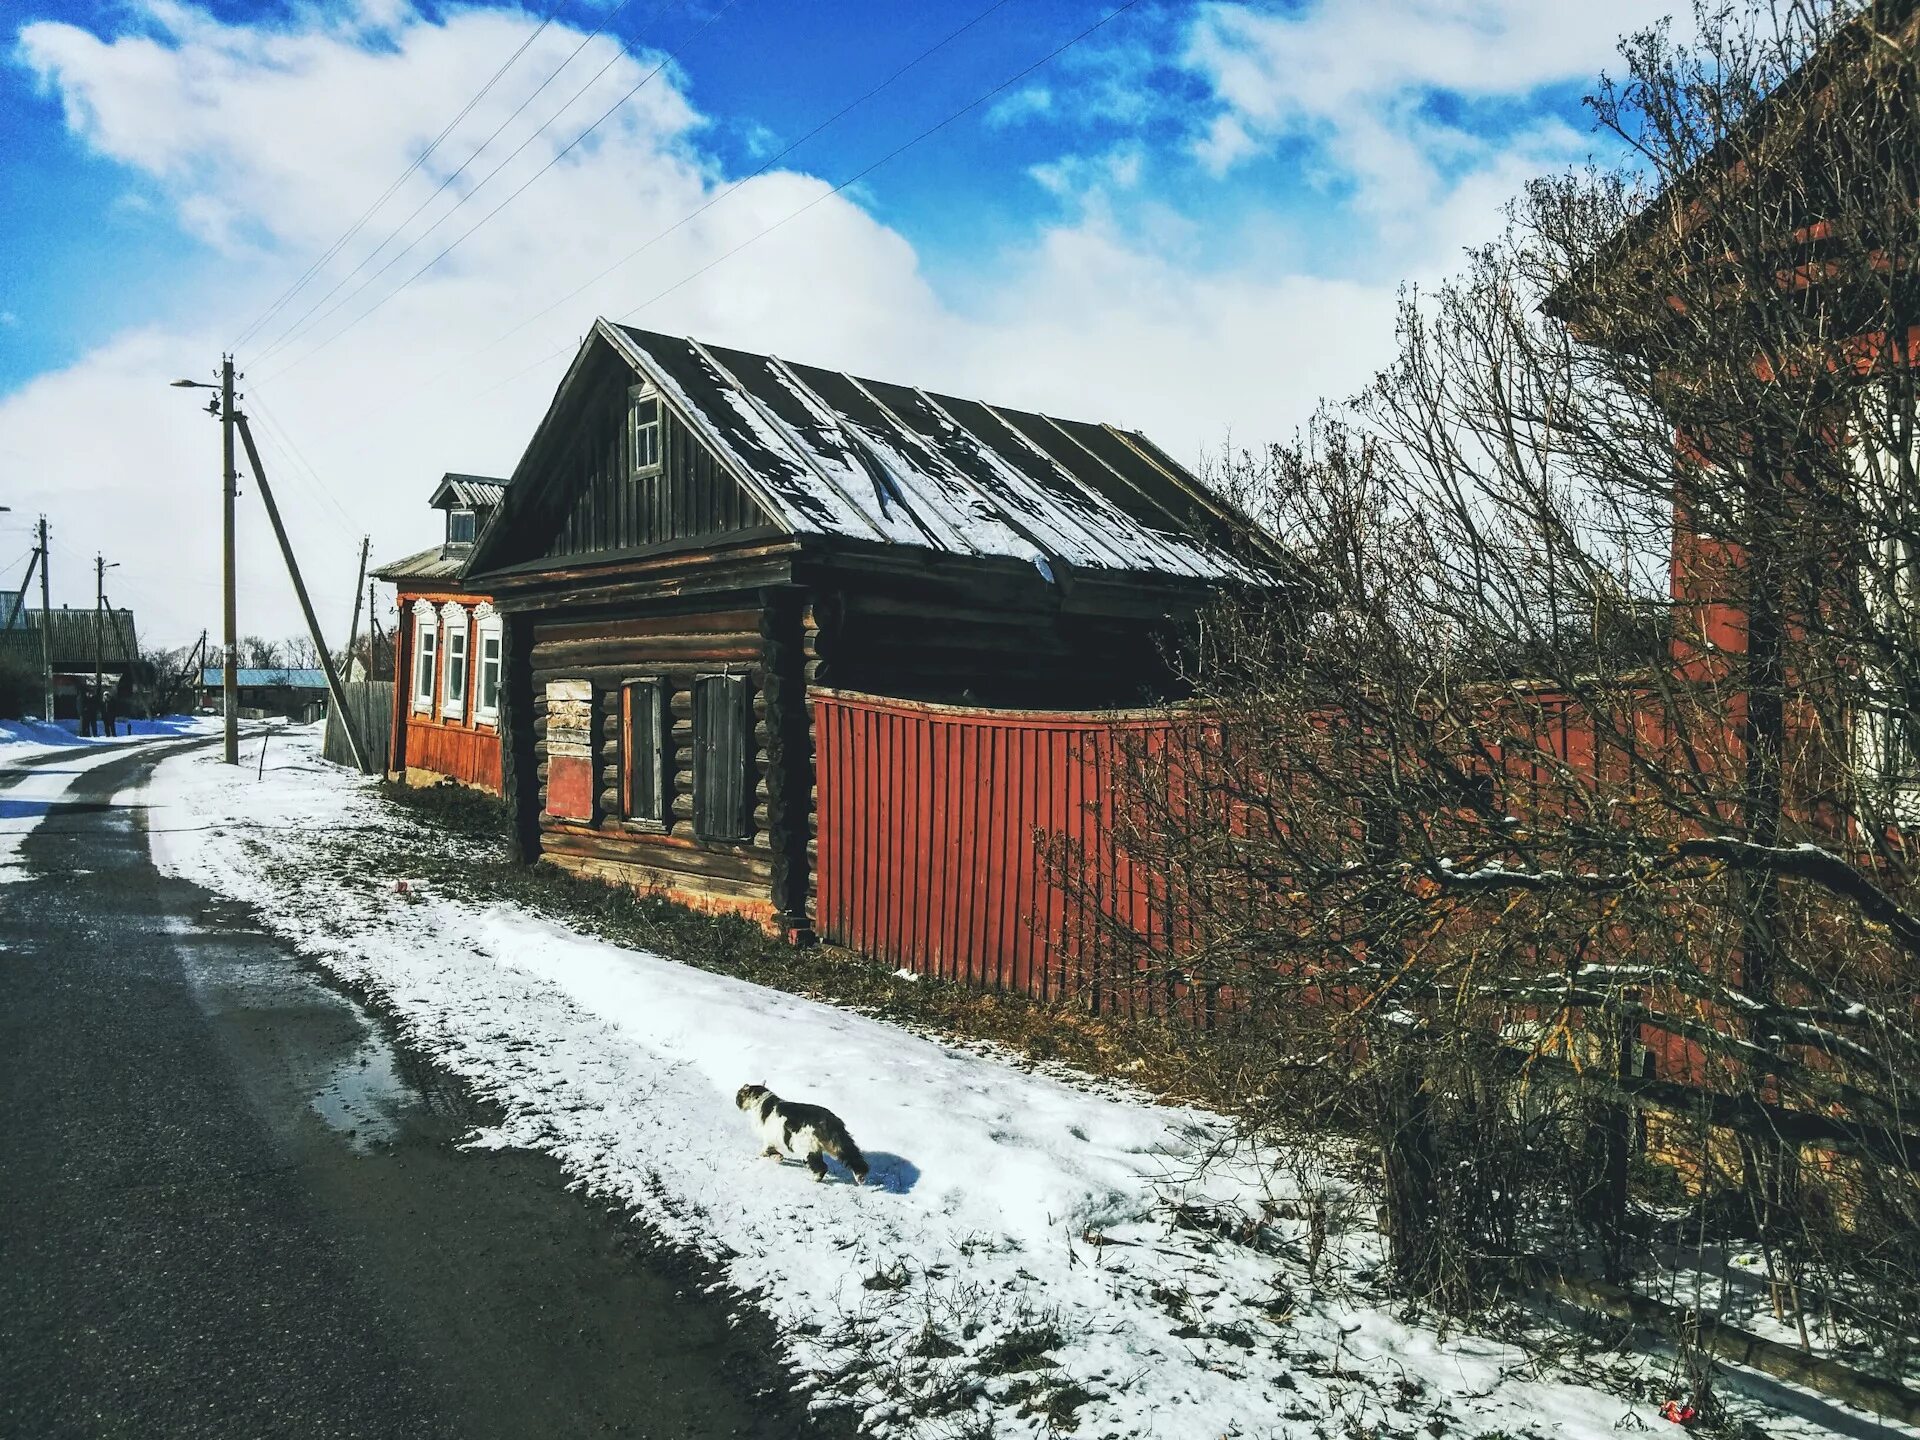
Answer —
460 527
643 429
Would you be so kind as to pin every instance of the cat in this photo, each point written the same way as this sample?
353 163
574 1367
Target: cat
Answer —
809 1130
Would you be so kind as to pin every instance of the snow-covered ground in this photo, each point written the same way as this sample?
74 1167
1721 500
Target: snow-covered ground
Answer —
24 739
1031 1243
28 800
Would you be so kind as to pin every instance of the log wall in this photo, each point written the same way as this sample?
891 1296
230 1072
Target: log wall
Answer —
604 652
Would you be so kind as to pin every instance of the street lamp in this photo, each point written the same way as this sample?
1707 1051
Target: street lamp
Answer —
221 406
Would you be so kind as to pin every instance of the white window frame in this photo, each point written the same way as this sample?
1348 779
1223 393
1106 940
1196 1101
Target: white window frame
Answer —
453 623
1886 751
637 396
487 627
426 650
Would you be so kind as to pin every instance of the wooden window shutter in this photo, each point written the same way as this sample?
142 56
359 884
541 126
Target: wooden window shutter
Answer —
722 752
645 758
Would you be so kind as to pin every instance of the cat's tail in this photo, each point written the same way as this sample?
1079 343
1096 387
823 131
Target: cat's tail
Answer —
840 1146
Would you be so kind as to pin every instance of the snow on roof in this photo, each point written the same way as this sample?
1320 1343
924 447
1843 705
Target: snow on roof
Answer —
830 454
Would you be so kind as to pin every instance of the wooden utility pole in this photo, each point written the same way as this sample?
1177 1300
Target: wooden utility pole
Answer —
334 687
229 611
99 601
373 630
46 623
353 631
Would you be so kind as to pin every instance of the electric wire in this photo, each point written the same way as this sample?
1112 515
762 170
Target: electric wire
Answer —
301 325
354 229
736 185
399 255
851 180
296 458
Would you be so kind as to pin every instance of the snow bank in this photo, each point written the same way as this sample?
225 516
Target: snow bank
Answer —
1011 1212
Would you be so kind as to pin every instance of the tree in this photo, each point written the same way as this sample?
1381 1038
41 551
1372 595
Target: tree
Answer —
298 653
1578 808
259 653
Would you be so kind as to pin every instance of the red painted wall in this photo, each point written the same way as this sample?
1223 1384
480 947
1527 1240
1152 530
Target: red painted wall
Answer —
462 749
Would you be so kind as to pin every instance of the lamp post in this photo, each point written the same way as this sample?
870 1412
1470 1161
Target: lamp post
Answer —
229 673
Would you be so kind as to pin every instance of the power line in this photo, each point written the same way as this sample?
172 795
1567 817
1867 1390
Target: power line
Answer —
300 325
461 202
852 179
721 195
296 460
387 194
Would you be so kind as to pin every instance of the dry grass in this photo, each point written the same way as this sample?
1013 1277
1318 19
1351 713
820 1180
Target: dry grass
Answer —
461 847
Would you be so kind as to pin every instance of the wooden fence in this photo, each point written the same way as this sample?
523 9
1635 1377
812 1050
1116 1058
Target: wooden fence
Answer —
934 827
370 704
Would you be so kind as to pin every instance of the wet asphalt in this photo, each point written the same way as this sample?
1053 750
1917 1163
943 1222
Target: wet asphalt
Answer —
230 1205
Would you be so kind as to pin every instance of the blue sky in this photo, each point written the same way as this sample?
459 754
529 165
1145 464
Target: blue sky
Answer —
1193 222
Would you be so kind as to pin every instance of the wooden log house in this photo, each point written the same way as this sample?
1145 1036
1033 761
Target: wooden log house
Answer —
696 536
447 650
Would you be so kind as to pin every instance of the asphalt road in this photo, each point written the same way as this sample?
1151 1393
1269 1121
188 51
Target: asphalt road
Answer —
230 1206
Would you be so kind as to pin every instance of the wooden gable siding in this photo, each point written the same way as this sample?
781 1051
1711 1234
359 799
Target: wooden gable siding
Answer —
674 647
596 505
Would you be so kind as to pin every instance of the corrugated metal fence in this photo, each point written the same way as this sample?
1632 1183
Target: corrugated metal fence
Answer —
371 703
934 830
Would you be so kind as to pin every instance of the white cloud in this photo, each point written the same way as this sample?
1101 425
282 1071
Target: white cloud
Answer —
268 140
1024 104
1415 113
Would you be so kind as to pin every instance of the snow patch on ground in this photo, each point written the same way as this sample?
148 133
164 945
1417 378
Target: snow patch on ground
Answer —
1027 1244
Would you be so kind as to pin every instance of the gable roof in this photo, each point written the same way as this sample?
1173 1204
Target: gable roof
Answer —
70 636
1878 25
446 561
470 492
830 455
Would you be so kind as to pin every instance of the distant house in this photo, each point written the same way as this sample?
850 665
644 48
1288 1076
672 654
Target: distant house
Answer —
77 640
293 694
699 539
447 649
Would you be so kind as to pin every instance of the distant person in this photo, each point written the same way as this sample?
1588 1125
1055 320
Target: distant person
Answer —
89 713
110 711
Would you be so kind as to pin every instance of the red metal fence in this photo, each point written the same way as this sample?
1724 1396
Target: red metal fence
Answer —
934 825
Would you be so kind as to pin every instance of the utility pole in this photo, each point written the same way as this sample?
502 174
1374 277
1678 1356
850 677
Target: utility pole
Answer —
229 611
230 670
353 632
99 602
334 687
100 568
46 623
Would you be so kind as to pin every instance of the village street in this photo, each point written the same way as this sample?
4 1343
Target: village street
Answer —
231 1208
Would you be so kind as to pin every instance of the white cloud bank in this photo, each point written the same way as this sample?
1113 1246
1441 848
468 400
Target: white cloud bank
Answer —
268 140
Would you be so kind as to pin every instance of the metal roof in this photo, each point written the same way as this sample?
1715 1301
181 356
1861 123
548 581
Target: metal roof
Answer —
214 676
441 562
829 454
469 492
70 637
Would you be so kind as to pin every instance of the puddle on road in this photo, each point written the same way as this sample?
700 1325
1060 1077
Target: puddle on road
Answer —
305 1050
365 1099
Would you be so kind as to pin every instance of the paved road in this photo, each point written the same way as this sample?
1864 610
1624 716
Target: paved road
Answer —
229 1207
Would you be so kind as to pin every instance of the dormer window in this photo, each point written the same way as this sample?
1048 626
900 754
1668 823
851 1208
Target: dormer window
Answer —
643 429
460 527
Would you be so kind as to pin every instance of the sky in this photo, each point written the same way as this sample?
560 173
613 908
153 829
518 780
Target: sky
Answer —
1188 219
